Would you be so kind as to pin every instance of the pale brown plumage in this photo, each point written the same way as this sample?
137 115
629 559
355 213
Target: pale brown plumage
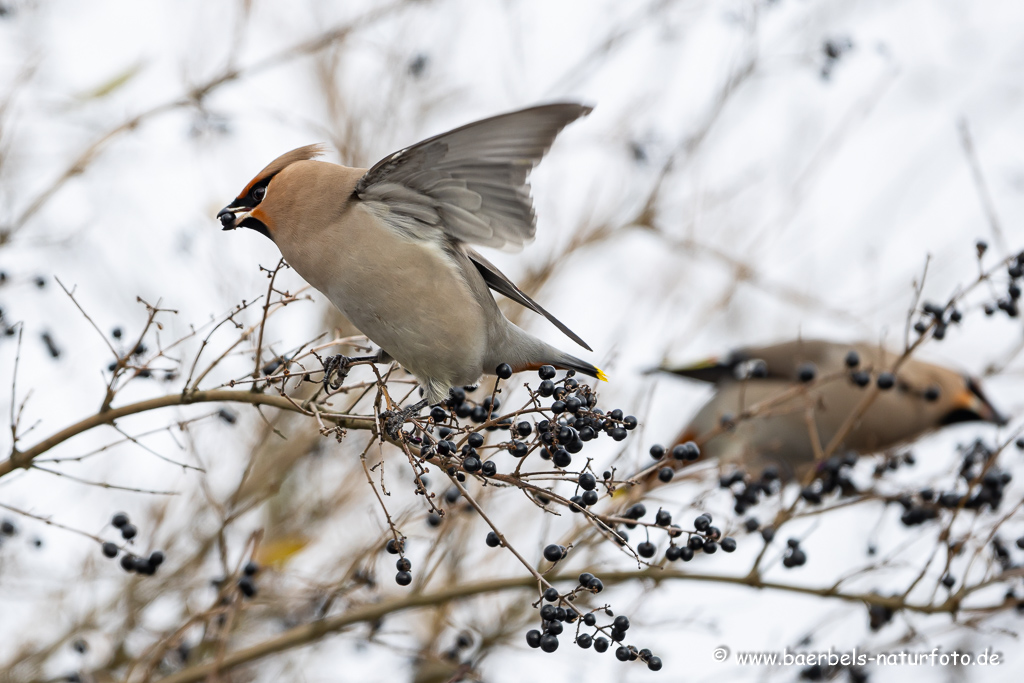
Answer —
925 397
389 246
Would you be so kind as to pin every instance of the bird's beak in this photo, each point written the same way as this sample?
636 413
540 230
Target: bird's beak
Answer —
230 219
973 401
989 413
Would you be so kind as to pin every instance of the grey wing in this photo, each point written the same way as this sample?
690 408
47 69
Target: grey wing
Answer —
470 182
497 281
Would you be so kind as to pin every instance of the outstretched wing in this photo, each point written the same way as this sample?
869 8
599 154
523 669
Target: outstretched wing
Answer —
469 183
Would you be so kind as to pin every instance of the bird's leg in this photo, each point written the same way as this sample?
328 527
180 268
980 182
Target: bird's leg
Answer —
336 367
394 419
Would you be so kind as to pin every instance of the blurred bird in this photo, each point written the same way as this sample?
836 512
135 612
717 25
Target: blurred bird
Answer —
917 398
389 246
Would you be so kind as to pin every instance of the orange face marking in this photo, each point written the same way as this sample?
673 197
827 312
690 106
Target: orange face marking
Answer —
247 188
966 399
261 216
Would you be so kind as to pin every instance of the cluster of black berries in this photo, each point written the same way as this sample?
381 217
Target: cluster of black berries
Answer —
833 475
920 510
571 420
976 466
403 565
587 483
568 419
463 406
1010 304
554 616
552 624
892 462
751 524
168 375
795 556
462 642
130 562
451 497
139 349
577 419
705 538
682 453
10 329
247 581
885 380
986 488
939 316
445 449
746 491
246 585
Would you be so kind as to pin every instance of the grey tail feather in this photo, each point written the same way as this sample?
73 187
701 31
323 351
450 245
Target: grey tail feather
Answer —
497 281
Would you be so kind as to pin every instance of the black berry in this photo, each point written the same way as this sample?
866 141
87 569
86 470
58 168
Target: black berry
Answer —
554 553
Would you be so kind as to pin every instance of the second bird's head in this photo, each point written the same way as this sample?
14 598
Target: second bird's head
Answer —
262 200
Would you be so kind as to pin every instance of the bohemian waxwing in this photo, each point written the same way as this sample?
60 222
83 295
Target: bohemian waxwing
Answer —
923 397
389 246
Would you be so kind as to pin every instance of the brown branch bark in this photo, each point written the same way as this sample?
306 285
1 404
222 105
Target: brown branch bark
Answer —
306 634
23 459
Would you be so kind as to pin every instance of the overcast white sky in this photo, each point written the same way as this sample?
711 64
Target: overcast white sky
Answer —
830 191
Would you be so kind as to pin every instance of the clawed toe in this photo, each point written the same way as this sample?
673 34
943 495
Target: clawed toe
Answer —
336 367
335 371
394 419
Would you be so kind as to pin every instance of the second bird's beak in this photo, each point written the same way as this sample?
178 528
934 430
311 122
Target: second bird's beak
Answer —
974 405
989 413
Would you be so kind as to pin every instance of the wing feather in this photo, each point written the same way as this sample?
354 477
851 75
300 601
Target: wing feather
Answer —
474 177
497 281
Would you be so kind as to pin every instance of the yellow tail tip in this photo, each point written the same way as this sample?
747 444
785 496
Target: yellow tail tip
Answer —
601 376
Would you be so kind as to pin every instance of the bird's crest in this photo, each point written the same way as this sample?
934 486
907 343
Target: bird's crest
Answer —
279 164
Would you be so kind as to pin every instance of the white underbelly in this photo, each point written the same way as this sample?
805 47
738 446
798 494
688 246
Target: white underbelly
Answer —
408 297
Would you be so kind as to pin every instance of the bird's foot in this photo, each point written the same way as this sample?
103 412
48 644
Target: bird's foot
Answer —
394 419
336 367
335 371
